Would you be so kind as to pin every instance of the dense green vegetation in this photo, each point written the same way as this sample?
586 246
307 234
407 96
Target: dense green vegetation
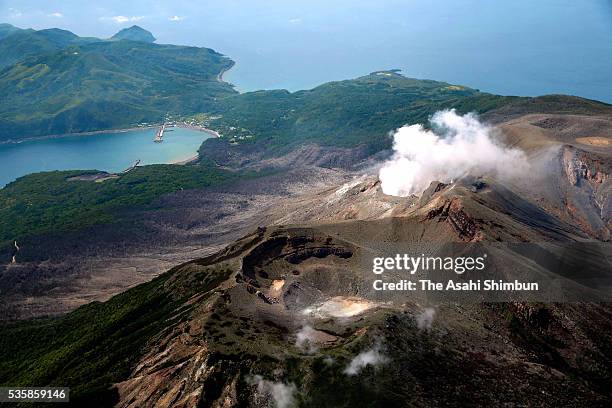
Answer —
357 112
65 83
60 83
89 348
7 29
134 33
345 113
27 43
44 202
97 344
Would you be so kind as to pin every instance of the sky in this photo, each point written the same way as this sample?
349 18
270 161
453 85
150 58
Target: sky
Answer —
519 47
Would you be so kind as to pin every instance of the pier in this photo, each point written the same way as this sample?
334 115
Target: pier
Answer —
159 136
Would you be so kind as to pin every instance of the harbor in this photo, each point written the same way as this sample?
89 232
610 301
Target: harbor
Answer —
110 151
159 135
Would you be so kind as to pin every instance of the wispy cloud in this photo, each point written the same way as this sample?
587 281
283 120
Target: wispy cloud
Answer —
282 394
306 339
295 20
373 357
176 18
123 19
56 14
14 13
426 318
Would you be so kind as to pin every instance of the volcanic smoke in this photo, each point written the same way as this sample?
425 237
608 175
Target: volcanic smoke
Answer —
454 147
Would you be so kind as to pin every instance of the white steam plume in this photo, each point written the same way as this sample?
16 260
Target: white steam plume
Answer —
306 339
282 394
373 357
426 318
456 146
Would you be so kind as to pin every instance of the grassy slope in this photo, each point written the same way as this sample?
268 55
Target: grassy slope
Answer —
106 84
17 44
357 112
44 202
345 113
97 344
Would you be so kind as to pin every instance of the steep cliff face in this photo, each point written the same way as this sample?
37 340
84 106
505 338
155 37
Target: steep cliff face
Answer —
589 175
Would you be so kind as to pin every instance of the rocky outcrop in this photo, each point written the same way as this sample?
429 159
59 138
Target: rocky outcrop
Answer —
589 174
452 212
581 167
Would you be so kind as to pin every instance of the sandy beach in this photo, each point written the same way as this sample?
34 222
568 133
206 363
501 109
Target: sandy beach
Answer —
186 161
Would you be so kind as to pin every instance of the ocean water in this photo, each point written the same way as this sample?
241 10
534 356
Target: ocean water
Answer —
110 152
518 47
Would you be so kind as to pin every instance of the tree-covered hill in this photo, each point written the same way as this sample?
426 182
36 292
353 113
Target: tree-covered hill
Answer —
356 112
68 84
17 44
346 113
134 33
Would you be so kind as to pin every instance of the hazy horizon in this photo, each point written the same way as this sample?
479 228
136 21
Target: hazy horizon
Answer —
519 48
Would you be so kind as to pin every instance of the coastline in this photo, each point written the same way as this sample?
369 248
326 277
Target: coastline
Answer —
211 132
91 133
122 130
223 71
99 132
186 161
194 158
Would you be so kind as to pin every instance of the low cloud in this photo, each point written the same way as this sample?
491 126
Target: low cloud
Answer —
123 19
14 13
456 146
295 20
373 357
57 14
425 319
176 18
305 339
282 394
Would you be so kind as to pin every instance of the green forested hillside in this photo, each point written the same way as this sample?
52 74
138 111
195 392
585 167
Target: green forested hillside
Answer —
7 29
44 202
345 113
99 84
357 112
134 33
69 84
17 44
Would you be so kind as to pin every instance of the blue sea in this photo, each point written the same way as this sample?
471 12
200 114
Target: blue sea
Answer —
110 152
518 47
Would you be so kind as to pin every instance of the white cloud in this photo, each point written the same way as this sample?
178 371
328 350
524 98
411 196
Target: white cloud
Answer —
457 146
282 394
176 18
57 14
372 357
123 19
295 20
306 339
426 318
14 13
